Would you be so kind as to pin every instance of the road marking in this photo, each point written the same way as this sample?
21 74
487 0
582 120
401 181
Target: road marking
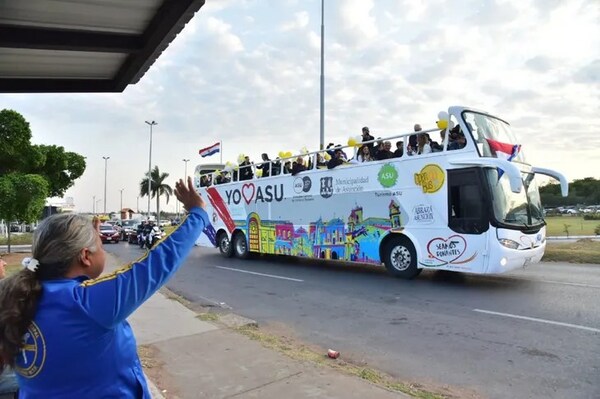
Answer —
564 283
260 274
556 323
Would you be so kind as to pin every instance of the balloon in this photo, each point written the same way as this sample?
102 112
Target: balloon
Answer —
327 156
442 124
281 154
259 173
443 116
304 150
288 154
358 140
240 158
352 141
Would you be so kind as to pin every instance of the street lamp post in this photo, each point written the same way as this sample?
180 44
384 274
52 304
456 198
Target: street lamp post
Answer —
121 210
151 124
105 167
138 204
94 204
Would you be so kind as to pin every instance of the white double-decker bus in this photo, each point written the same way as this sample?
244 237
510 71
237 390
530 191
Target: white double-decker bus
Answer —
473 207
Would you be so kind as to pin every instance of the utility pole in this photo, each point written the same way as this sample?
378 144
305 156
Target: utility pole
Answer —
105 167
185 173
322 124
151 124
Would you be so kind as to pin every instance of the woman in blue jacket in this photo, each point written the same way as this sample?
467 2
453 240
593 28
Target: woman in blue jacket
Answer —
63 326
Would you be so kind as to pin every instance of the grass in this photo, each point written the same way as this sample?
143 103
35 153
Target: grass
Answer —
581 251
303 353
208 316
17 239
577 226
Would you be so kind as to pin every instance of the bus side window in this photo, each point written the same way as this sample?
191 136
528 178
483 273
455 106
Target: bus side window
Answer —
466 202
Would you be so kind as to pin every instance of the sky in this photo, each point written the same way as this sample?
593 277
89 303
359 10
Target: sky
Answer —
246 73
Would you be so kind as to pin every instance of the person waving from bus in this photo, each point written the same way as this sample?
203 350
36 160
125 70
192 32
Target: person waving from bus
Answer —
64 327
336 160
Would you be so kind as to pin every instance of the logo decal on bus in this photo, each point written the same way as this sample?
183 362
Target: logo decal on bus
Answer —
443 251
388 175
326 187
430 178
302 185
250 193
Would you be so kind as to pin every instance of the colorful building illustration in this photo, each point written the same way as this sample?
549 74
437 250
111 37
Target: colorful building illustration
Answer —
356 240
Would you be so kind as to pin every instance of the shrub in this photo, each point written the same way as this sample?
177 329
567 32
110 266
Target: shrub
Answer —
597 230
591 216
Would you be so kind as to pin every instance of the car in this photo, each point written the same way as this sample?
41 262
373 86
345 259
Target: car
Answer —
128 227
109 234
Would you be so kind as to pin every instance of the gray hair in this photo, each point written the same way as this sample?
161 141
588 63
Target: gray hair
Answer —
58 241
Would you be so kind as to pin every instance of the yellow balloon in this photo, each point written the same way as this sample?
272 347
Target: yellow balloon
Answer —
281 154
288 154
352 141
327 156
443 124
259 173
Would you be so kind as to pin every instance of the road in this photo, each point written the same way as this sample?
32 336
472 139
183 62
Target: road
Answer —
534 333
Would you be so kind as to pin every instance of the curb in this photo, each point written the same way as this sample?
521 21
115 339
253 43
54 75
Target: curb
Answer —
155 393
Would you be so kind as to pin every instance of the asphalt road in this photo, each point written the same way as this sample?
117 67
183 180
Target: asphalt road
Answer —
534 333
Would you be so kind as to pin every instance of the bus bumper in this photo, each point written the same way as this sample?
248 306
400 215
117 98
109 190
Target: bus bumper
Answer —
510 259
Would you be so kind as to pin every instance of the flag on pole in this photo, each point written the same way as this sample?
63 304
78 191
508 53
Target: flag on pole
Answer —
504 150
208 151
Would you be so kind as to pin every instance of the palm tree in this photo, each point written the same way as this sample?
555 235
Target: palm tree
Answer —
157 188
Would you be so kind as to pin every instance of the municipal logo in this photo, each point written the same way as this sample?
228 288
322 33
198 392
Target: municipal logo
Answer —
33 355
326 187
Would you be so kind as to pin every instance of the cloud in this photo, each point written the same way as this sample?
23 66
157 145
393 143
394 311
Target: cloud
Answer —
300 21
588 74
540 64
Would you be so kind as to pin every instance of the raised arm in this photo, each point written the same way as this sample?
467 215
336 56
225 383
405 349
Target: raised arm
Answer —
111 298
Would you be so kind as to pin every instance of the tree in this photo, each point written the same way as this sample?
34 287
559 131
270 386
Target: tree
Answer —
31 173
22 198
157 188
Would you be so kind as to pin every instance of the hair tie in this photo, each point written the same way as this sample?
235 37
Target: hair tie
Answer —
30 264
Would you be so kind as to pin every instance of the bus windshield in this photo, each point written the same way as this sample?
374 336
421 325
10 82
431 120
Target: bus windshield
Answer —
487 127
520 210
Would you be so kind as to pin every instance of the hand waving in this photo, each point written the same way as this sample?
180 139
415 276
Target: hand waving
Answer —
188 195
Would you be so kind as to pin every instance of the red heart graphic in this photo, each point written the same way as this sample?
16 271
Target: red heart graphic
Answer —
452 244
248 191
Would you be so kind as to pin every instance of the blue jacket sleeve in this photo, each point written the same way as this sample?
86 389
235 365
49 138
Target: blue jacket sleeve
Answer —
111 298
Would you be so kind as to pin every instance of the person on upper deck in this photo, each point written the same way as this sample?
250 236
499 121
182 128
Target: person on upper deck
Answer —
423 144
385 152
366 136
364 154
399 149
298 166
336 160
412 139
246 172
265 166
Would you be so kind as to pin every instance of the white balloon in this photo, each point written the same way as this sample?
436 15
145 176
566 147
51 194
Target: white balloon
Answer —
443 116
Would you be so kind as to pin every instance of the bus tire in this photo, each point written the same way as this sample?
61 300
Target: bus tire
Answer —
224 244
400 258
240 246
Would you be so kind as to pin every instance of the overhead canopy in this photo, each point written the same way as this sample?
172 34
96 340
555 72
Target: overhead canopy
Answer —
85 45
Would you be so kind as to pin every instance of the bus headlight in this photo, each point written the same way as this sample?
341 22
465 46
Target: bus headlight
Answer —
509 243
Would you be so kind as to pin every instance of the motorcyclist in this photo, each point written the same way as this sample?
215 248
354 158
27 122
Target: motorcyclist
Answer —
149 231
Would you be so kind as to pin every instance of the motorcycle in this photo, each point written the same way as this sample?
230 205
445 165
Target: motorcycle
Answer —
150 238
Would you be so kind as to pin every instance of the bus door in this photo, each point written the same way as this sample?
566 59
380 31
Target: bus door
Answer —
468 219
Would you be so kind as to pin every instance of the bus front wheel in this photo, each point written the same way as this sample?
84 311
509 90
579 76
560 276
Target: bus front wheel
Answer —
225 246
240 246
400 258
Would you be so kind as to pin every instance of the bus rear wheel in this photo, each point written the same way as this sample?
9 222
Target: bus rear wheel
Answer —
400 258
240 246
225 246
